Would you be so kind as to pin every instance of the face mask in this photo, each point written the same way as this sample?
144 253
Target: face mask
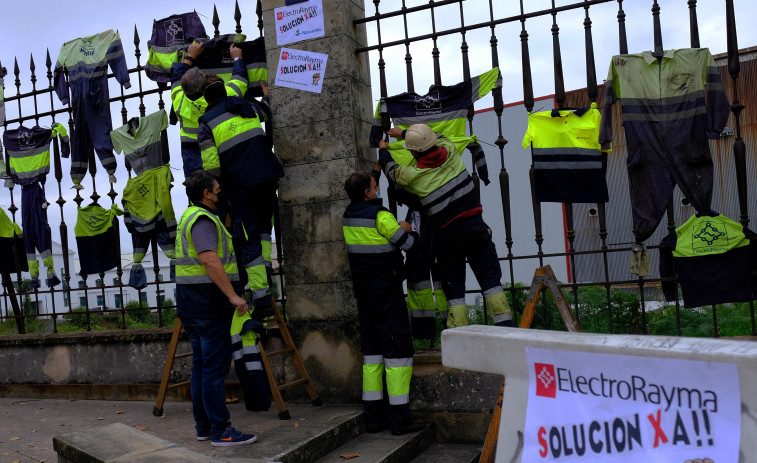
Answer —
378 194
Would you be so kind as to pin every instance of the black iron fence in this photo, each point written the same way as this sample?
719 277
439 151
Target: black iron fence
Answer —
40 106
33 106
405 21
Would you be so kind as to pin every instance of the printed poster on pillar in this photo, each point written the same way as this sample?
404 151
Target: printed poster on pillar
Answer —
299 22
585 407
304 70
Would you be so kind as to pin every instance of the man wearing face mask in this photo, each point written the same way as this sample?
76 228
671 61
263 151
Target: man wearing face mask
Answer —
374 240
207 293
235 148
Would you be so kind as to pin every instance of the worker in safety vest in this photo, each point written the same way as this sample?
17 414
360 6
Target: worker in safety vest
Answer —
207 293
237 150
374 239
453 211
189 103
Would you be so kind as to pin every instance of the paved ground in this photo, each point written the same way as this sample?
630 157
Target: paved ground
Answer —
27 426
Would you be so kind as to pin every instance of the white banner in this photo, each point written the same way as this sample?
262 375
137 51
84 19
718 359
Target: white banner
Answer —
304 70
299 22
586 407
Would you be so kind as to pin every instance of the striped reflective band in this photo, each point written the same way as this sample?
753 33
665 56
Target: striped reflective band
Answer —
243 137
370 248
373 359
674 116
422 313
398 363
362 223
405 120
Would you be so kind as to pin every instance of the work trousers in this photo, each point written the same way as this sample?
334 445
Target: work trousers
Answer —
388 356
211 355
251 212
469 238
37 234
92 126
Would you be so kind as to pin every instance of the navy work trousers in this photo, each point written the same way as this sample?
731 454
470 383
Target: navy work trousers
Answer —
211 356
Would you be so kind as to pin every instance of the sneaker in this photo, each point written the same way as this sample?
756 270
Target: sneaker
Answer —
413 426
376 427
232 437
203 436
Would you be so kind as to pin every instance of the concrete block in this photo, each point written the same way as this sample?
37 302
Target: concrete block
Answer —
317 262
321 301
322 140
325 182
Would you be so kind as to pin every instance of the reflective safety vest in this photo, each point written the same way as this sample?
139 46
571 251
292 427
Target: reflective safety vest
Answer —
444 191
171 36
234 144
374 240
189 268
189 111
196 294
29 152
569 166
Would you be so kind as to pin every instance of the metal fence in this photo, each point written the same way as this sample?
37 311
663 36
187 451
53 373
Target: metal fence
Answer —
33 106
407 18
439 42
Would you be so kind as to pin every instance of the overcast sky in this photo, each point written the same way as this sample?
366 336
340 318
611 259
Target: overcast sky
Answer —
32 27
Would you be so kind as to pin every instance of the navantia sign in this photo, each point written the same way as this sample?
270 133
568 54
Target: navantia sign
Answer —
585 407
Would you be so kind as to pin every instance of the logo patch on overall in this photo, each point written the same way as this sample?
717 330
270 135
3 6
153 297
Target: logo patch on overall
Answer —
174 32
143 190
87 49
709 234
25 140
428 102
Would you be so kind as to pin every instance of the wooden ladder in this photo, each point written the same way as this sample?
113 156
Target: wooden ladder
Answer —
276 324
544 279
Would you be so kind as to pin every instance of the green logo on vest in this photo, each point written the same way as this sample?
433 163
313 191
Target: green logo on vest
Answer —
712 237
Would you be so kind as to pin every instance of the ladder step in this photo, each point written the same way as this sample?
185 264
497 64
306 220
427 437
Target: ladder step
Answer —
291 384
171 386
280 352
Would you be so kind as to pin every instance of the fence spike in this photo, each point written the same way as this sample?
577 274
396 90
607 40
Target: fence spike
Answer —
215 21
237 17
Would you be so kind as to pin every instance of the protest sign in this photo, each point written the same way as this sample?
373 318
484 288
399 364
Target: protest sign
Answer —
585 407
299 22
304 70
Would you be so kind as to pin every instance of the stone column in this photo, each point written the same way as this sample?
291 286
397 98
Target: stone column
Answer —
321 138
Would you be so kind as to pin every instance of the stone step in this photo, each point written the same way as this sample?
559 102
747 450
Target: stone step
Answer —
302 441
383 447
444 452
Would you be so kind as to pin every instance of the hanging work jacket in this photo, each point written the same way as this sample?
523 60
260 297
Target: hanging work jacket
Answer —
95 232
11 246
170 37
569 166
248 364
441 182
216 59
444 109
142 147
234 144
713 258
29 152
374 240
148 212
196 294
189 111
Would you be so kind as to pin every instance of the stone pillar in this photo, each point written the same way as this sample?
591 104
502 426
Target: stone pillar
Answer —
321 139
